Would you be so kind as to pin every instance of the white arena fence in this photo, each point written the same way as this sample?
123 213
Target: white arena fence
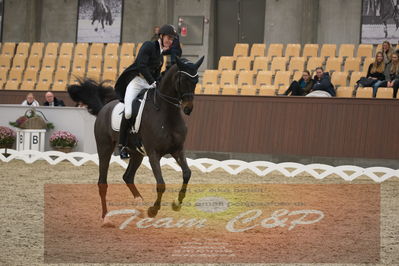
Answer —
205 165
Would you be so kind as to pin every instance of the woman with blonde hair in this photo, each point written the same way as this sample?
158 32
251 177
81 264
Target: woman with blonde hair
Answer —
393 78
376 72
387 51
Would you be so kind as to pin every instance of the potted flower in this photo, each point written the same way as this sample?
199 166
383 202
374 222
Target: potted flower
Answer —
7 137
32 120
63 141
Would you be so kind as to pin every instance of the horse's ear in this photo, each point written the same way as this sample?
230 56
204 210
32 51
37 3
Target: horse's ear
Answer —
179 63
199 62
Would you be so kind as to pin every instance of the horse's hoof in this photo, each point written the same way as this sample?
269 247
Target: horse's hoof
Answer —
152 211
95 29
107 222
176 206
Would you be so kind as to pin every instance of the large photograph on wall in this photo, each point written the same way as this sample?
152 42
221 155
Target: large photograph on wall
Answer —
380 21
99 21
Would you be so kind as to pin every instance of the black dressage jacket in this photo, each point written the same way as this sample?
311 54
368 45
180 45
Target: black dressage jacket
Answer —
148 63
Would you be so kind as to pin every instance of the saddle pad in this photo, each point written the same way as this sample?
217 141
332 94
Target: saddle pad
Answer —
117 112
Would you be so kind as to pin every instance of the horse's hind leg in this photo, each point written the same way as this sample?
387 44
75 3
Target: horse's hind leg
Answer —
156 169
134 163
181 160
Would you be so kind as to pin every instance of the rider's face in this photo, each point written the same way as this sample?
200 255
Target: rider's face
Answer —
167 41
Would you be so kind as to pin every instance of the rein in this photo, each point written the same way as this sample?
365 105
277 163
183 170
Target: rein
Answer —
176 102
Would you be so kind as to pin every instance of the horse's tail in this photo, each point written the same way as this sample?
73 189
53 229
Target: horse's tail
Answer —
94 95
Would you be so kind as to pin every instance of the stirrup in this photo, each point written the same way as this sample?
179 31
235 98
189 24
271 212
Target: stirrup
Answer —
123 152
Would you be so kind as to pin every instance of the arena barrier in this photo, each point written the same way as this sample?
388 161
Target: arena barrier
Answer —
205 165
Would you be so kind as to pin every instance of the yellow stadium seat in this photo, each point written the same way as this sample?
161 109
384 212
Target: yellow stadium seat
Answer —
96 49
243 63
248 90
355 76
339 79
76 76
15 74
66 49
19 62
111 50
52 49
49 62
346 50
94 74
198 88
258 49
110 74
125 62
346 92
12 85
230 89
43 86
293 50
364 92
3 75
127 50
5 61
367 62
138 46
95 63
27 85
297 64
8 48
328 50
311 50
37 49
267 90
240 49
245 78
59 86
279 63
315 62
378 48
81 50
352 64
297 75
226 63
264 78
79 64
365 50
61 76
282 78
111 62
46 76
228 77
275 49
64 62
33 62
211 89
385 93
333 64
261 63
23 49
30 75
1 85
210 77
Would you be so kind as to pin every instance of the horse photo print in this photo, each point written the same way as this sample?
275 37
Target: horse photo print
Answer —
380 21
99 21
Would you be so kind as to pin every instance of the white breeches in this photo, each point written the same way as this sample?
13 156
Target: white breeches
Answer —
133 89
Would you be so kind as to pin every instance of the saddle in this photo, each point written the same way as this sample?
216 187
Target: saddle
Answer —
137 112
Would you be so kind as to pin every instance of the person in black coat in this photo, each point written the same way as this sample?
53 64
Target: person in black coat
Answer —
174 51
322 84
142 74
52 101
301 87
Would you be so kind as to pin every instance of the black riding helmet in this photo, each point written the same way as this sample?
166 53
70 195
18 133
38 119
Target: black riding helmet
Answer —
167 30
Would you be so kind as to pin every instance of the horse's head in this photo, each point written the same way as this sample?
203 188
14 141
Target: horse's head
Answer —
186 79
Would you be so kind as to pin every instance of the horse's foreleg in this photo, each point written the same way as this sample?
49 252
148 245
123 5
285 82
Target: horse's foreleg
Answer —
156 169
180 158
385 28
128 177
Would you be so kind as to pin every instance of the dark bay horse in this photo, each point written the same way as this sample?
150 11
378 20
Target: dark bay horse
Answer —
162 131
101 13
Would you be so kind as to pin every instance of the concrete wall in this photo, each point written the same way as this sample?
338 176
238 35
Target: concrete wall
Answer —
15 21
75 120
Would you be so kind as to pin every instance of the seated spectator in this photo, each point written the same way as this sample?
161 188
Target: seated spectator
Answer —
375 73
387 51
392 81
302 86
52 101
322 86
30 101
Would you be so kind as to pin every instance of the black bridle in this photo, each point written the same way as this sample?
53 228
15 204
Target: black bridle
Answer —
177 101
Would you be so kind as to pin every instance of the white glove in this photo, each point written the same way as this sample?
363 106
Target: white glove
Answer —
153 85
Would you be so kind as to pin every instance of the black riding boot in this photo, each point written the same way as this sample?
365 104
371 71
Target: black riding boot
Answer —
123 133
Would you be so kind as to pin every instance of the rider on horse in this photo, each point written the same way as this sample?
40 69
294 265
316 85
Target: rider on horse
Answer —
144 73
